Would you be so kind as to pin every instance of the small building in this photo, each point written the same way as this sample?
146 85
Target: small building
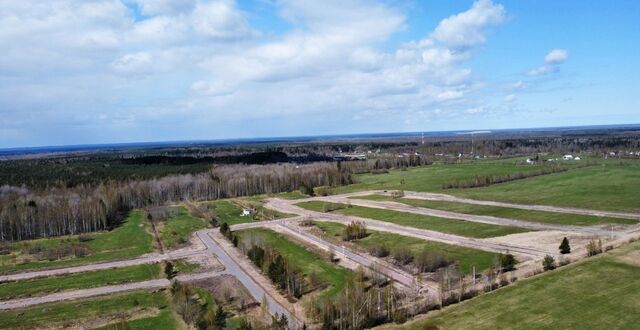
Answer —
567 157
247 212
530 161
576 158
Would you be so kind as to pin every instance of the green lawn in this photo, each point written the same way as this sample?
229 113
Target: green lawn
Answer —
308 262
610 185
604 187
602 292
176 230
505 212
65 313
129 240
456 227
228 212
19 289
466 258
431 178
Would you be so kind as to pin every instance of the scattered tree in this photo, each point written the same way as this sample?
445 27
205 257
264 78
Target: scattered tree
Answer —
548 263
564 246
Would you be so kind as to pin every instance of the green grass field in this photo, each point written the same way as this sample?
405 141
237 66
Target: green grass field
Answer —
228 212
505 212
176 230
19 289
129 240
602 292
64 314
307 261
466 258
610 185
431 178
456 227
604 187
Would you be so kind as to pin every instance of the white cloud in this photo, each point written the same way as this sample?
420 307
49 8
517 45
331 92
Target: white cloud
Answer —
556 56
467 29
204 64
220 20
551 63
510 98
519 85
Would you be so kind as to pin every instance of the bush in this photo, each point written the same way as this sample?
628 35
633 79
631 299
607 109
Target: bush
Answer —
507 262
402 255
379 251
548 263
85 238
400 316
429 261
169 270
594 248
355 230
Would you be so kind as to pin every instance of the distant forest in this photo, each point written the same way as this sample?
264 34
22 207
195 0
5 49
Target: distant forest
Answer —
85 191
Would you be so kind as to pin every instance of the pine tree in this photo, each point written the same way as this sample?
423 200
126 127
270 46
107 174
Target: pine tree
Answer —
564 246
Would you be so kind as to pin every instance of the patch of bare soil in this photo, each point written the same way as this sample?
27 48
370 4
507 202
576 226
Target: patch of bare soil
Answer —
548 241
228 291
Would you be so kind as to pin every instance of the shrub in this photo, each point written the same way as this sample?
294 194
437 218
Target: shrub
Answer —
85 238
594 248
402 255
548 263
379 251
355 230
429 261
507 262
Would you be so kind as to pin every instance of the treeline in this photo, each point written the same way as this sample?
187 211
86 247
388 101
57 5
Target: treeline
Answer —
27 214
380 163
487 180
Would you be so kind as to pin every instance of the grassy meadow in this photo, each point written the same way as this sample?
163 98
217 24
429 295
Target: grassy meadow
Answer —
449 226
601 292
307 261
505 212
42 286
131 239
466 258
175 231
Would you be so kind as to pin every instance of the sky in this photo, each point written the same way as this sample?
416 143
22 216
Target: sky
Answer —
113 71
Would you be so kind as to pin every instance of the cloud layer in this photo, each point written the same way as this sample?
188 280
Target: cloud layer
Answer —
141 69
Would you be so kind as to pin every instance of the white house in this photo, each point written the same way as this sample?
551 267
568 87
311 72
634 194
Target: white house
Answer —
567 157
577 158
246 212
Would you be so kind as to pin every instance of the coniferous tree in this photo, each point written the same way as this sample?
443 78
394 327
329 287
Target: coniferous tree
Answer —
565 248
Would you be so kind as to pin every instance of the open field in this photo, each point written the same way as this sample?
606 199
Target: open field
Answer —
432 177
307 261
228 212
129 240
606 187
505 212
19 289
175 231
456 227
611 185
66 314
465 258
602 292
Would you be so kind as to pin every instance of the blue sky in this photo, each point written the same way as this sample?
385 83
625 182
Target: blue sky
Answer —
102 71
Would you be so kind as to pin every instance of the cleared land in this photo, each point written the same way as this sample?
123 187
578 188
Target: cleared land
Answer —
307 261
129 240
505 212
456 227
610 185
67 314
228 212
19 289
465 258
598 293
175 231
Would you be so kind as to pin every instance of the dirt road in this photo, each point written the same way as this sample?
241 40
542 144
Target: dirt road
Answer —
400 207
523 252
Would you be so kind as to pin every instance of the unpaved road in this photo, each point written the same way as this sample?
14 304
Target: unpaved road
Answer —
523 252
548 208
400 207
